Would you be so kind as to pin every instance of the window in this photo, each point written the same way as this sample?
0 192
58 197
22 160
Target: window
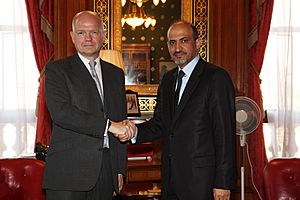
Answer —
281 82
18 82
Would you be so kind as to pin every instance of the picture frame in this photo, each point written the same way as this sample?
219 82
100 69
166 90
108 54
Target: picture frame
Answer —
164 66
136 59
133 107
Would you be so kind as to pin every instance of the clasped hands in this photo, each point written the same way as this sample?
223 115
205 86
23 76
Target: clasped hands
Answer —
124 130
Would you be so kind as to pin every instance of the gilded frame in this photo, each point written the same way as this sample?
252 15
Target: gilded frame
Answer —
133 108
195 11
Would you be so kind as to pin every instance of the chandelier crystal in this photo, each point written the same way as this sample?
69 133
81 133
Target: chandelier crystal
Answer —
140 2
135 16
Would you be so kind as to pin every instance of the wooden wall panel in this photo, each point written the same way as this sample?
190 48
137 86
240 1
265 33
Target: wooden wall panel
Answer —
228 48
63 15
228 38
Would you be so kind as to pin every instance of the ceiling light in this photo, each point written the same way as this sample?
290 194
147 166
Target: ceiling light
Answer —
140 2
135 16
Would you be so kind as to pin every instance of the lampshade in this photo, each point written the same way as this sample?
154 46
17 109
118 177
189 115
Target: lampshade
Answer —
114 57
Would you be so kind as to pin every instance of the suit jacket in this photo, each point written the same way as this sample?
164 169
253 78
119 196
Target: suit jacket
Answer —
75 152
199 136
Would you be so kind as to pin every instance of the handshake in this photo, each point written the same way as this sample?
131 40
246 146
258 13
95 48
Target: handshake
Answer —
124 130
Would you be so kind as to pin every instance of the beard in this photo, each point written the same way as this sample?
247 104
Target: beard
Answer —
180 62
180 58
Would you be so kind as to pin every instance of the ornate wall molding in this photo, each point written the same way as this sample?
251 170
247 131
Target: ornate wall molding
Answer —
102 8
147 104
147 96
148 89
201 21
110 11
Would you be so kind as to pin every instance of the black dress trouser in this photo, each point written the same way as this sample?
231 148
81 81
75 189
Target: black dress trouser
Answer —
103 189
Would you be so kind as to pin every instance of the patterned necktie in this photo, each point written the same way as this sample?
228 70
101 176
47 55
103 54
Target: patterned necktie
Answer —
179 82
96 78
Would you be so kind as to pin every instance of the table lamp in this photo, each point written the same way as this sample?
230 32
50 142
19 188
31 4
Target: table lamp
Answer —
114 57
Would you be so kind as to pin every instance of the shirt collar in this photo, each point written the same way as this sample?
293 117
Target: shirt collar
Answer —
188 69
86 61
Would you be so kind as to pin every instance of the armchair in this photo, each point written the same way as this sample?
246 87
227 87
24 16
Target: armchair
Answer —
282 179
21 179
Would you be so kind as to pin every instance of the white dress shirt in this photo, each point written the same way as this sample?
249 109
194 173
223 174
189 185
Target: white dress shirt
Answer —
99 74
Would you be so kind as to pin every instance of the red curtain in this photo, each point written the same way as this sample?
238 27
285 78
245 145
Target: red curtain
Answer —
40 21
260 14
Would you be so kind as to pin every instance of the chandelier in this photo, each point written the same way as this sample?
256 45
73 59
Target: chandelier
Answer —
135 14
140 2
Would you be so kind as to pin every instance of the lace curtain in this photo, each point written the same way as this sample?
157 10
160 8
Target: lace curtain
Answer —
18 82
281 82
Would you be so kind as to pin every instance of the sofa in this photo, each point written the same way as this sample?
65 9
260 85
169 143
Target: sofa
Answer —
282 179
21 179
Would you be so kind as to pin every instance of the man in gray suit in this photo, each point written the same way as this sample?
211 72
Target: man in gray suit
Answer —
83 93
195 116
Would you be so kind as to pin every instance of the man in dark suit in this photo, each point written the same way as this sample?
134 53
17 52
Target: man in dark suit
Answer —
195 115
83 93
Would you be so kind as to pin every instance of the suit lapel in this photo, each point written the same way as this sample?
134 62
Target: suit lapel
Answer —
80 70
172 92
106 83
189 89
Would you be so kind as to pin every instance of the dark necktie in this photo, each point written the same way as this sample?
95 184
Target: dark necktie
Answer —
179 82
96 78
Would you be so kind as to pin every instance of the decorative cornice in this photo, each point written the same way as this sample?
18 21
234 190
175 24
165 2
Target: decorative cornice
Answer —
148 89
